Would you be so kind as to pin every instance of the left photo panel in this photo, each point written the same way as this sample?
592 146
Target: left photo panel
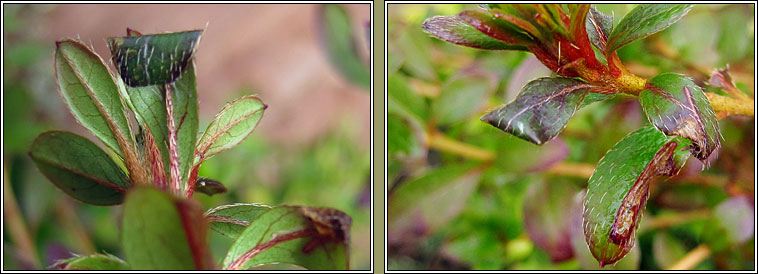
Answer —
187 136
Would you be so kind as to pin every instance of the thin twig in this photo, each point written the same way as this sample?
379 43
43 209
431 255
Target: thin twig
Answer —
440 141
692 259
16 226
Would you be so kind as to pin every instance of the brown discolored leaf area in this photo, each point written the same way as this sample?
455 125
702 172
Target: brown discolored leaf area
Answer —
209 186
678 107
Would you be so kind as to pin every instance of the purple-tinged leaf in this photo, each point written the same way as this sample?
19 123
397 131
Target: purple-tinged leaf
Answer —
599 26
643 21
547 218
457 31
495 28
678 107
541 110
618 190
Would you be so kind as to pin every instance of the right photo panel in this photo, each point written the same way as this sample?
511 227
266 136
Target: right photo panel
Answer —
570 136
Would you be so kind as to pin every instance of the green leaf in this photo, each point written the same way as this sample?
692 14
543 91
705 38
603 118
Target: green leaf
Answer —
150 109
677 106
337 37
461 97
643 21
496 28
431 200
162 232
599 26
457 31
91 262
91 94
314 238
618 190
155 59
231 220
230 127
79 168
596 97
541 110
403 101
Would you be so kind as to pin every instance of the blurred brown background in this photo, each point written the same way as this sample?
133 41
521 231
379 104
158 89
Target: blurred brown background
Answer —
270 50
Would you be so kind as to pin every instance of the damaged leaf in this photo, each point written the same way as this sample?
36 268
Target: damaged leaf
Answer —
541 110
643 21
154 59
79 167
678 107
618 190
457 31
314 238
231 220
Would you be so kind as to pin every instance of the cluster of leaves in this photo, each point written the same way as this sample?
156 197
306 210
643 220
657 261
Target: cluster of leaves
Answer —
429 99
156 166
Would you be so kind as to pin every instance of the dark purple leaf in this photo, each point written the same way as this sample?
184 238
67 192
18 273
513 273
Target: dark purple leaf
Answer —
541 110
678 107
495 28
456 31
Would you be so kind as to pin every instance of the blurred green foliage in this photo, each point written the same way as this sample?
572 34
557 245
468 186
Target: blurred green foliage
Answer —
429 96
331 171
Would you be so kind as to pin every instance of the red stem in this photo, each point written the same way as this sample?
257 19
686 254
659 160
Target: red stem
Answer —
175 179
239 262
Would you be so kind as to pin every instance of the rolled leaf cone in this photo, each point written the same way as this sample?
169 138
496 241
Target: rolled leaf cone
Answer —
154 59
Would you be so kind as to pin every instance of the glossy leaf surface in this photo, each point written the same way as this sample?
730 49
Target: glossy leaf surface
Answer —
457 31
161 232
314 238
645 20
231 220
677 106
91 94
541 110
79 167
618 190
154 59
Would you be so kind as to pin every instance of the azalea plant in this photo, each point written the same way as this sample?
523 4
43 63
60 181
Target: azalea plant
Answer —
579 45
146 115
